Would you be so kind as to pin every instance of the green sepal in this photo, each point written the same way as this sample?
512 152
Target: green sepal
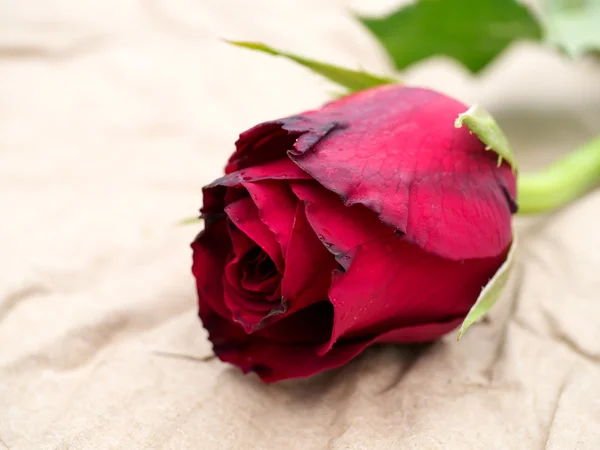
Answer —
492 291
483 125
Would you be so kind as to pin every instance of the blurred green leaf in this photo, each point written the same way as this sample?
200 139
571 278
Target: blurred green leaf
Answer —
481 123
189 221
491 292
353 80
472 32
573 25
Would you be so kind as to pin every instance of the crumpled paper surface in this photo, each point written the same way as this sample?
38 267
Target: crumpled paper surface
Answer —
114 114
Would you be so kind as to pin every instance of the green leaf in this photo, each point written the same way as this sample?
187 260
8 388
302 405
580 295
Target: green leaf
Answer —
472 32
189 221
491 292
353 80
481 123
573 25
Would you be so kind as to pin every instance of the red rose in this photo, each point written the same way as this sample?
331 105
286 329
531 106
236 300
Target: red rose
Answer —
370 220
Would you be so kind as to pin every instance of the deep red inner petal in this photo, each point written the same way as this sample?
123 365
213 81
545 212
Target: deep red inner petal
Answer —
309 265
210 250
259 273
251 282
243 213
258 145
276 205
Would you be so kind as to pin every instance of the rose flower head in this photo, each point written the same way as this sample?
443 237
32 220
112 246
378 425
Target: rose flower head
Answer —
371 220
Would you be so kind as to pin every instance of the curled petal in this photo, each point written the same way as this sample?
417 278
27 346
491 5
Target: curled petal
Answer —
247 308
276 207
214 194
261 144
341 229
244 215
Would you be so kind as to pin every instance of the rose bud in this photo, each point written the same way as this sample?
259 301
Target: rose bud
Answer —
370 220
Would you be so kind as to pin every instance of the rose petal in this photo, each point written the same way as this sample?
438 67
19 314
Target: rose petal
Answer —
261 144
276 207
259 275
248 308
244 215
342 229
210 250
308 268
235 296
392 284
214 193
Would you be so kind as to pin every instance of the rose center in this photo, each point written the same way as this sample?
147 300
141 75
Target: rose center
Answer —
259 273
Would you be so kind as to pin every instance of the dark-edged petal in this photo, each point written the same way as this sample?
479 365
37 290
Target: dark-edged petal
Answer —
261 144
396 151
341 229
214 194
210 251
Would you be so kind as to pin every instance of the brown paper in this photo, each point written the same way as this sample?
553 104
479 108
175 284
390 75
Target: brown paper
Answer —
113 116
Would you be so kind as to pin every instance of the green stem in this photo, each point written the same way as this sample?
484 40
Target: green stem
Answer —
562 182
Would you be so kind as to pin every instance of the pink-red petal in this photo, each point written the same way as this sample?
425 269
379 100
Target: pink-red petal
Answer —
308 268
276 207
248 308
259 145
210 251
243 214
214 193
392 284
396 151
341 229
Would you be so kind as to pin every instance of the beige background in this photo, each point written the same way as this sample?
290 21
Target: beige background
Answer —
113 114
